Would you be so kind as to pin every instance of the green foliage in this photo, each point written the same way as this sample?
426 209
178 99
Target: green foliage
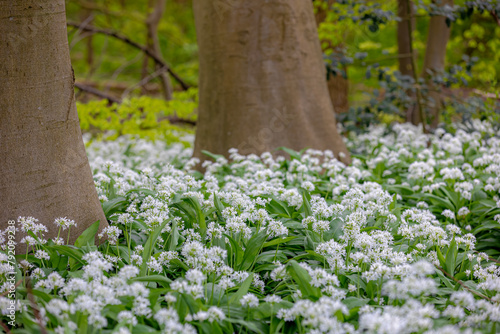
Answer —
144 117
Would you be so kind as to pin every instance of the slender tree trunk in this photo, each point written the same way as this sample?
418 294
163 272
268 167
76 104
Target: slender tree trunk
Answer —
89 56
404 40
152 23
262 79
44 171
406 26
338 86
435 56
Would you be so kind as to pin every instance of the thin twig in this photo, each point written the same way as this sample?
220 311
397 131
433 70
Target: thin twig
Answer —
463 285
144 81
96 92
34 306
127 40
495 16
6 329
15 286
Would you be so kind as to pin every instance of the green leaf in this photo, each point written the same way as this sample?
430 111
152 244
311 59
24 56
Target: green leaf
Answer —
165 281
441 259
293 154
73 253
243 290
253 326
199 215
445 280
174 236
213 156
254 246
451 257
278 241
302 278
88 236
219 207
114 205
235 248
307 205
83 323
148 247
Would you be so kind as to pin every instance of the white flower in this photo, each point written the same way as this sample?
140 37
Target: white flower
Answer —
272 299
448 214
64 223
127 317
249 300
112 232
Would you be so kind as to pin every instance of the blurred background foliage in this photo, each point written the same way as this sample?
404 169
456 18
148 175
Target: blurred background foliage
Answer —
359 39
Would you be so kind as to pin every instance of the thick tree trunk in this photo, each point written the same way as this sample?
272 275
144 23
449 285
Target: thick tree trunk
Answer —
435 56
338 86
44 171
262 79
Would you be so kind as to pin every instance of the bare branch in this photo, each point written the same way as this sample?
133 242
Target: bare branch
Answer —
96 92
127 40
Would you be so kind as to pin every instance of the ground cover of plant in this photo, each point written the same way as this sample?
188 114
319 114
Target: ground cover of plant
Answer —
404 240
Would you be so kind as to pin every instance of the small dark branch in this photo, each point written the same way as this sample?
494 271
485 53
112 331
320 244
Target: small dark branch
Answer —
15 286
495 16
463 285
177 120
144 81
96 92
127 40
34 306
5 328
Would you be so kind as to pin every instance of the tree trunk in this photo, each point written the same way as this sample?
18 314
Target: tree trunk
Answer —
152 23
262 79
405 50
435 56
44 171
338 86
404 40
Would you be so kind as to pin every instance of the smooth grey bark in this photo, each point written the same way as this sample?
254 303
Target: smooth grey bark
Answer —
262 79
44 170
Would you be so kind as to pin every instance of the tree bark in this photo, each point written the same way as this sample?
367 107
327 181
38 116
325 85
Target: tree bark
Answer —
407 65
262 79
44 171
434 61
338 86
404 40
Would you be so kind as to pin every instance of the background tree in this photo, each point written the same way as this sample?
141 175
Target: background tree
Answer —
434 61
157 8
338 84
262 79
44 171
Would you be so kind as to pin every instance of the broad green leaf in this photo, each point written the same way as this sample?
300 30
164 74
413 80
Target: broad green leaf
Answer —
254 246
278 241
243 290
88 236
451 257
306 204
149 246
114 205
302 278
163 280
